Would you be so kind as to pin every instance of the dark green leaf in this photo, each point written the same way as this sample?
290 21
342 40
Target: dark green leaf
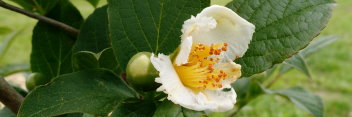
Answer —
94 33
246 89
168 109
40 6
94 3
298 62
6 112
144 108
148 25
14 68
95 92
94 38
302 99
84 60
51 47
283 27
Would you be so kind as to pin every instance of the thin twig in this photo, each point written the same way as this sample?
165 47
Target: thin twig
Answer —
276 78
58 24
9 96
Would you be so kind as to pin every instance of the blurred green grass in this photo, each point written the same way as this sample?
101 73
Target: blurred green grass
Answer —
329 67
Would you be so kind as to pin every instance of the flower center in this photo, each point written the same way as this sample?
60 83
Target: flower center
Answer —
206 69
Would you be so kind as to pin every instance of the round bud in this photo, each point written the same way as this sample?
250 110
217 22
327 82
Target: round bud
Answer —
140 73
36 79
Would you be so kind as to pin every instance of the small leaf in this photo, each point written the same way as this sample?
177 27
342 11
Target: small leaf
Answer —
283 27
192 113
168 109
95 92
318 44
144 108
51 47
302 99
148 25
313 47
298 62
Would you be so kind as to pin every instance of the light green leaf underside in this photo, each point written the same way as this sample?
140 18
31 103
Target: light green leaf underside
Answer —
95 92
148 25
303 99
283 27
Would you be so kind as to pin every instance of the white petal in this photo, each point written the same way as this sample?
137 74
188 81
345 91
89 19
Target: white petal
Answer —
229 27
217 100
186 46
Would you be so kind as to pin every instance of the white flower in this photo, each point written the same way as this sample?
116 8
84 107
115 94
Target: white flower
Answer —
200 76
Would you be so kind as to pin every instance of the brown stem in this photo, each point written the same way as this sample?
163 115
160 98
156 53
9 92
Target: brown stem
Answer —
277 77
58 24
9 96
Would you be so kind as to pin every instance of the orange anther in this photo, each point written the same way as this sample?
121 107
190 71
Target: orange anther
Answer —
226 44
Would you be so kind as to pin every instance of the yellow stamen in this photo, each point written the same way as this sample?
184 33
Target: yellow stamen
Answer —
200 72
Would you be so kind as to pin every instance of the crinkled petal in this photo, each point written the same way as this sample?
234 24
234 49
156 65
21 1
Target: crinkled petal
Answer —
229 28
186 46
216 100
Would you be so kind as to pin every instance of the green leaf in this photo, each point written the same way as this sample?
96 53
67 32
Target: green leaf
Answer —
246 89
39 6
302 99
84 60
192 113
318 44
94 38
51 47
94 33
14 68
168 109
144 108
94 3
283 27
298 62
313 47
148 25
95 92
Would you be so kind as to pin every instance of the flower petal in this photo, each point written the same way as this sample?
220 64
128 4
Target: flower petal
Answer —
186 46
229 27
216 100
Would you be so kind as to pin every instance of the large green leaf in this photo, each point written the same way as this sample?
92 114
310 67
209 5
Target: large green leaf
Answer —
303 99
40 6
94 38
95 92
148 25
283 27
51 46
144 108
168 109
84 60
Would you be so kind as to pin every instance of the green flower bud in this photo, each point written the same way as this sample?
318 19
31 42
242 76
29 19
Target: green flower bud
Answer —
141 73
36 79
